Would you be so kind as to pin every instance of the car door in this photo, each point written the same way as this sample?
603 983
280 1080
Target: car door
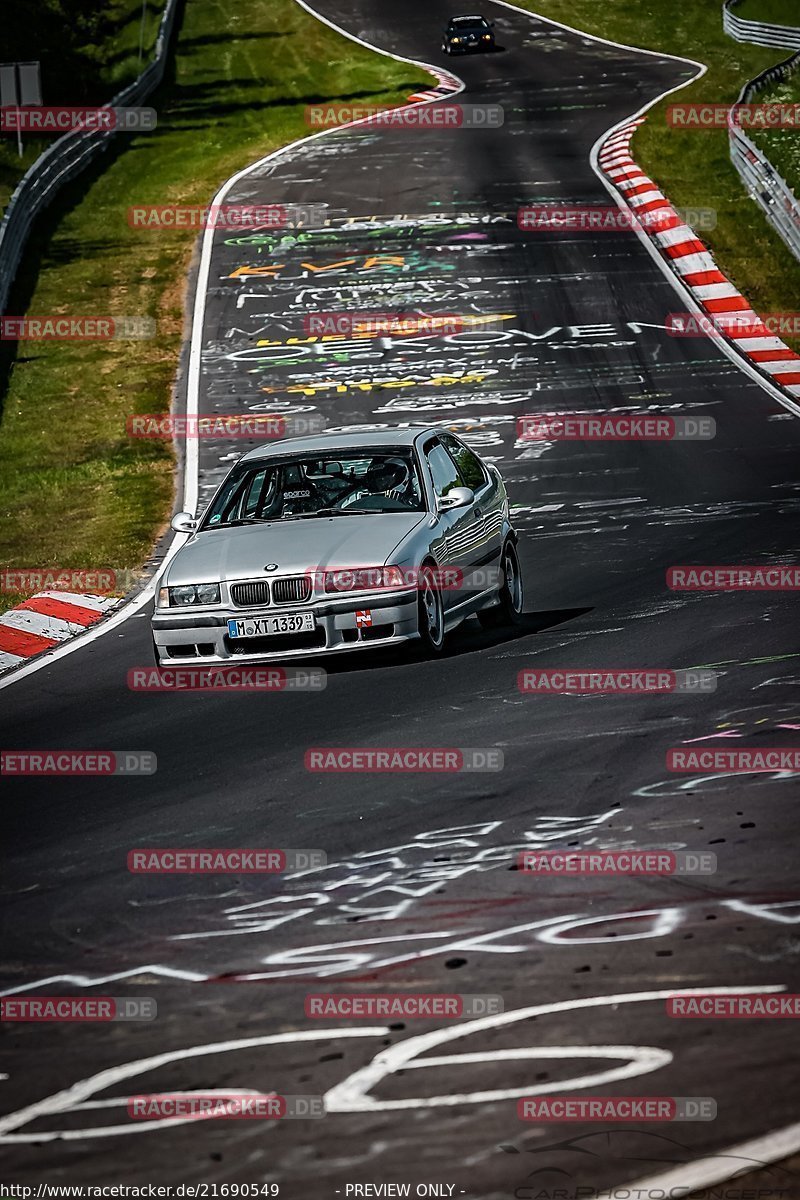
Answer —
490 505
459 531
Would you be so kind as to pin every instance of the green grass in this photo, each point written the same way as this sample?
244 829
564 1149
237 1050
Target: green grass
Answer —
782 146
693 168
123 65
88 52
775 12
74 490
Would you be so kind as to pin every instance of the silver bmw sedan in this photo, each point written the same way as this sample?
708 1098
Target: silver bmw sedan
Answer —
337 542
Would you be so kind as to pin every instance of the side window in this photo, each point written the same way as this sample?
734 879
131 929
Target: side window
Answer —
469 465
443 469
253 494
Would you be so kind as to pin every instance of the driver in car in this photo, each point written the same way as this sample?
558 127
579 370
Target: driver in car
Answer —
390 477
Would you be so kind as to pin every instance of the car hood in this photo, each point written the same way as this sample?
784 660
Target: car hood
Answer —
334 543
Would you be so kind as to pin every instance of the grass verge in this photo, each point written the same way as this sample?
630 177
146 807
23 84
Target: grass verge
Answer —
773 12
693 167
74 490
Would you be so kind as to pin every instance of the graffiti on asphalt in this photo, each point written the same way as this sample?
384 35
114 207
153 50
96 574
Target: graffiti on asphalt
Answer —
355 1093
390 883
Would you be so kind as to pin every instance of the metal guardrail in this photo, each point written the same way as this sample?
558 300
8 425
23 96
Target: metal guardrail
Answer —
768 189
759 32
764 184
66 157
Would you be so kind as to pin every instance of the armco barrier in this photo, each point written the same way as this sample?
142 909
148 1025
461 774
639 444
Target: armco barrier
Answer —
758 32
66 158
764 184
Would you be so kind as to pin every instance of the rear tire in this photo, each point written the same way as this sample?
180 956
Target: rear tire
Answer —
509 611
430 612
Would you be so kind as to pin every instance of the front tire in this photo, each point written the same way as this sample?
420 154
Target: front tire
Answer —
509 611
430 612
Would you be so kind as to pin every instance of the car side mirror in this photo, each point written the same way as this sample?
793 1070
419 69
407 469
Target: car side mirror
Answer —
183 522
458 497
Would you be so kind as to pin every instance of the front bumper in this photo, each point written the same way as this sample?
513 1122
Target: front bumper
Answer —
471 47
189 637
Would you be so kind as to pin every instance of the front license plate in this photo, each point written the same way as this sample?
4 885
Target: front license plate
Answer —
252 627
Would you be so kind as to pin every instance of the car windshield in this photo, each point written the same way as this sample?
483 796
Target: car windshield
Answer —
464 23
336 484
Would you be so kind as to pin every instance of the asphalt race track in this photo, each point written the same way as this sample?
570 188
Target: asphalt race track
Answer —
421 892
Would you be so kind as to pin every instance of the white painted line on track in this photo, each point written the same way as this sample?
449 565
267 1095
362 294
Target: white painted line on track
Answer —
70 1099
705 1172
351 1095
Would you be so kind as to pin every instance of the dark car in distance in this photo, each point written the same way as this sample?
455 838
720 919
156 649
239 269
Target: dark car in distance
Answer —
471 32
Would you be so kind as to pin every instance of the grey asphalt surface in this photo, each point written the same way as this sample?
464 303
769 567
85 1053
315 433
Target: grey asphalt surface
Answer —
401 907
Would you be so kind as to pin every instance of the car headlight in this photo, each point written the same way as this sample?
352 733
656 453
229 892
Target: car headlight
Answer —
455 41
487 37
364 579
188 594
